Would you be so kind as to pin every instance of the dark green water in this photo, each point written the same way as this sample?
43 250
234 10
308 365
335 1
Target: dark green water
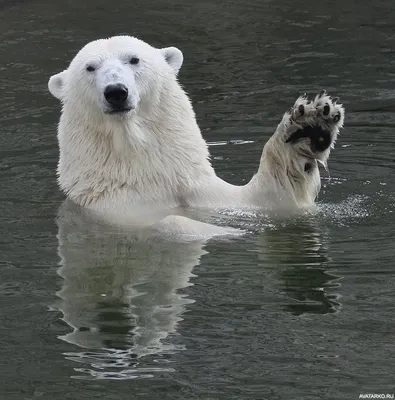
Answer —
299 309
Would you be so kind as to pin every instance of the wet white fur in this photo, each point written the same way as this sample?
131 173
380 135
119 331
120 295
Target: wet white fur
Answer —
155 155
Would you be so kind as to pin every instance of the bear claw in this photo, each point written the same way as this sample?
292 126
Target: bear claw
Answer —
322 93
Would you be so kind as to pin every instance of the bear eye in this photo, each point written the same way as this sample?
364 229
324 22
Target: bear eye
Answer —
134 60
90 68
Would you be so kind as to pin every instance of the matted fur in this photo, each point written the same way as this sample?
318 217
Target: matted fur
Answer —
154 155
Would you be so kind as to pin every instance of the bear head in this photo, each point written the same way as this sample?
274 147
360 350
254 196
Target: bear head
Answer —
115 75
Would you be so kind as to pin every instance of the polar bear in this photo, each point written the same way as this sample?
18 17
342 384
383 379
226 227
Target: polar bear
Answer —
129 141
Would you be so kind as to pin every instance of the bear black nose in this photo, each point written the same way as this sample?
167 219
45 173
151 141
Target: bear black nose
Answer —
116 94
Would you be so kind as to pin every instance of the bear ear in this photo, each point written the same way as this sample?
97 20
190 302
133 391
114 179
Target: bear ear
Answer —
56 84
173 57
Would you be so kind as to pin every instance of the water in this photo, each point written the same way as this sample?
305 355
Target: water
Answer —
298 309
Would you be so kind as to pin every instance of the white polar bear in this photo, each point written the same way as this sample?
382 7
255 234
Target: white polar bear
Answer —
129 140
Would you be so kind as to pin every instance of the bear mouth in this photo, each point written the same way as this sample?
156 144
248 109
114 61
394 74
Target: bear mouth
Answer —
120 110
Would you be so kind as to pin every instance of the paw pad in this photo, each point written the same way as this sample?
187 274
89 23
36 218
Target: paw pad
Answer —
336 118
326 109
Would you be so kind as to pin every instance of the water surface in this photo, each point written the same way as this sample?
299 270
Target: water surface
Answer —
299 308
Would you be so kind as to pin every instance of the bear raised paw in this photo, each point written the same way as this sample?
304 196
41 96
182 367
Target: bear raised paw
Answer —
304 137
129 140
318 121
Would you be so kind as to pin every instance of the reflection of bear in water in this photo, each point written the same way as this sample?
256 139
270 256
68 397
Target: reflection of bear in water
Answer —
120 288
297 254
